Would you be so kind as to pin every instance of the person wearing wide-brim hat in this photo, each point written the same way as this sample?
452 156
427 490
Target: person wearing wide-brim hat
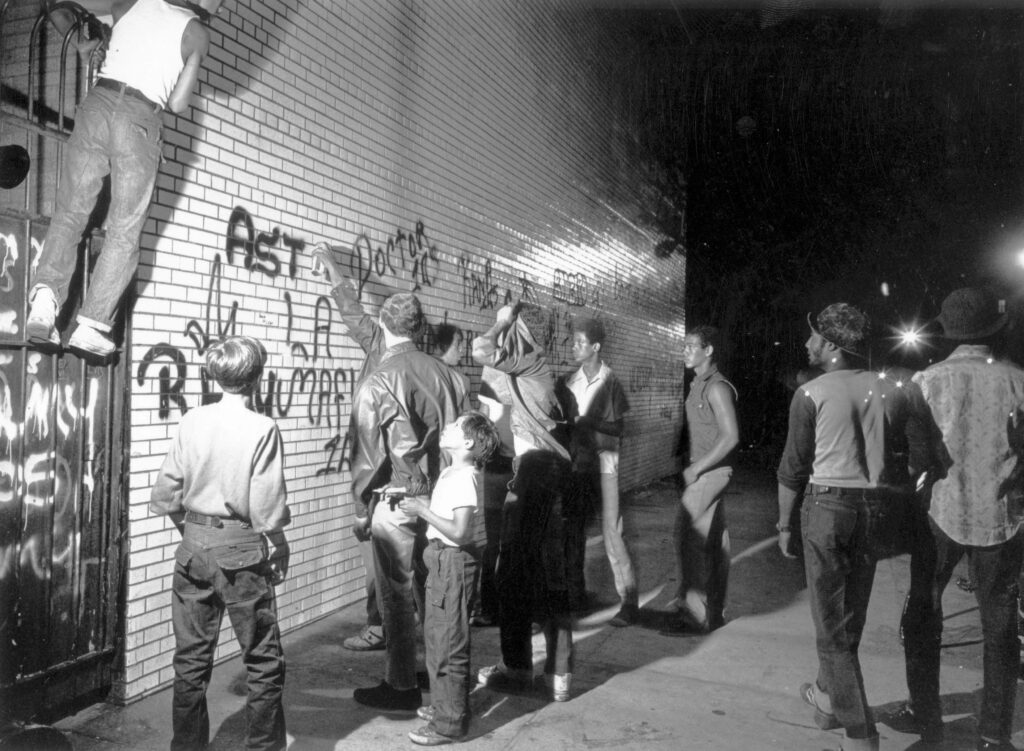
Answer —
976 508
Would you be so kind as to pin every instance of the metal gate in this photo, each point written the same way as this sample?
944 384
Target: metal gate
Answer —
63 427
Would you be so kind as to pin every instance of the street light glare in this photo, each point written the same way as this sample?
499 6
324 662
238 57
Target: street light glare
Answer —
1020 258
910 337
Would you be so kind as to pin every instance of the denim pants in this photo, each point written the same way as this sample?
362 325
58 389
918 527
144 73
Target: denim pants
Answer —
398 542
372 610
994 570
201 591
703 547
451 588
840 562
114 135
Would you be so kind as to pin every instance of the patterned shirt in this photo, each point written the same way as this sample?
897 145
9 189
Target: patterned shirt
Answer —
978 406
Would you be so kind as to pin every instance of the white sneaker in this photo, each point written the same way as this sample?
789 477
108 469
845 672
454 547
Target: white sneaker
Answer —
558 684
42 316
91 341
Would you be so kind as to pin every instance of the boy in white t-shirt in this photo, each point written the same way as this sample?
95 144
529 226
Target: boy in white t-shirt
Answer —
452 559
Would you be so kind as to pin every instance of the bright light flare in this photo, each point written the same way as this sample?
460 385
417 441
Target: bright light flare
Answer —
910 337
1020 258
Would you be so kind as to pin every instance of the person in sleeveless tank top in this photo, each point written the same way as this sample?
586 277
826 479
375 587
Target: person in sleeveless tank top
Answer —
702 540
152 63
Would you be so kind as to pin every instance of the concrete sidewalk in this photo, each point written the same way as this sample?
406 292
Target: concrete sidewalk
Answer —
633 687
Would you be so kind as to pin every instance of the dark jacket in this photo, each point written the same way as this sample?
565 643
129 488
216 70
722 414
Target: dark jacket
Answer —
600 428
398 412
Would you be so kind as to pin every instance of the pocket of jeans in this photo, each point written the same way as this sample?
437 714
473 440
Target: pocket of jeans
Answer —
182 559
147 136
242 554
827 524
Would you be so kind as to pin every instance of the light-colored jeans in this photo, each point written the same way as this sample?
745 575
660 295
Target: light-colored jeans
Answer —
703 547
614 544
398 542
114 135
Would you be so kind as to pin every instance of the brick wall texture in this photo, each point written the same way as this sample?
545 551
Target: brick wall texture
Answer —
472 151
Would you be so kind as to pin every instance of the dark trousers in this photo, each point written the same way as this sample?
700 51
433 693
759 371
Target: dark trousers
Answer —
451 588
840 563
578 509
496 481
201 592
994 569
532 572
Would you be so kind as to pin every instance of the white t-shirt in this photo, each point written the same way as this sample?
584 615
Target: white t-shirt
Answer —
458 487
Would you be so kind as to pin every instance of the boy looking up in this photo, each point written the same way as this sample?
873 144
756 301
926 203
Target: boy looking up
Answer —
452 558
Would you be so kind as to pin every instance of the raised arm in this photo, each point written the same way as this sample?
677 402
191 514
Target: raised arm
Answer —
485 346
358 323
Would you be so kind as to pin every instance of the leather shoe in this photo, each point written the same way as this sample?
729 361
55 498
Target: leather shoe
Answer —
383 696
627 616
905 721
684 624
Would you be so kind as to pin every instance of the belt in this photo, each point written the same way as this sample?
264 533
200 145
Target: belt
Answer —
206 520
126 90
868 494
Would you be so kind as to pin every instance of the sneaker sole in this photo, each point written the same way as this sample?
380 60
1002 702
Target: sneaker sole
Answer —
87 352
41 334
362 648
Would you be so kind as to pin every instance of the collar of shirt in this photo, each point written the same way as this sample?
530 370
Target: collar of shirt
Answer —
580 376
965 351
698 379
397 349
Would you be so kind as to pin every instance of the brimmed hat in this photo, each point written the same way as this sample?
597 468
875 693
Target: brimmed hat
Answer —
970 313
844 326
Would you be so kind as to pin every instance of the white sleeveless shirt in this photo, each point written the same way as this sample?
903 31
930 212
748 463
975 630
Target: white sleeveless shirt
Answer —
145 48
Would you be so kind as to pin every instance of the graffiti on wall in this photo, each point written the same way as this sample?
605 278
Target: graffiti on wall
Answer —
311 385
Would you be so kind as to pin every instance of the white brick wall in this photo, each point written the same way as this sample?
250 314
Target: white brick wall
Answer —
468 150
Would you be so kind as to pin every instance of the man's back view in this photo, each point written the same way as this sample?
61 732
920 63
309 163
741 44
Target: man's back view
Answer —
399 411
976 509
